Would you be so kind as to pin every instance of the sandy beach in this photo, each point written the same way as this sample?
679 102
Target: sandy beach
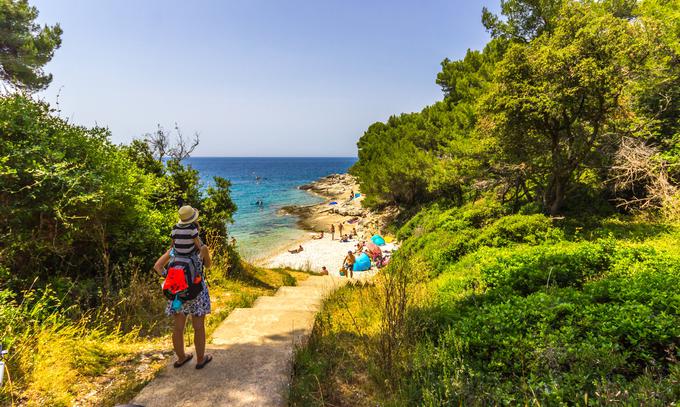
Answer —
327 252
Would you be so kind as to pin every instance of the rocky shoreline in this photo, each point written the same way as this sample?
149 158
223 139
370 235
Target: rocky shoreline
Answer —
338 188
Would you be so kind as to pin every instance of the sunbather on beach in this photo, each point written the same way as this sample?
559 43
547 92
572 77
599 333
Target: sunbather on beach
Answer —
344 239
318 236
296 251
360 247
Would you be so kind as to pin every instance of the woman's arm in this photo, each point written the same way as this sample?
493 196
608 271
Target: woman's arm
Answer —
198 243
205 256
161 262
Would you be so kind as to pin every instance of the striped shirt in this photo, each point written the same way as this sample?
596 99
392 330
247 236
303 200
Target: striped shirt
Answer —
183 238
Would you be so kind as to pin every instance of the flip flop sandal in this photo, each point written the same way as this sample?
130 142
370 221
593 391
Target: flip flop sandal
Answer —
206 360
186 359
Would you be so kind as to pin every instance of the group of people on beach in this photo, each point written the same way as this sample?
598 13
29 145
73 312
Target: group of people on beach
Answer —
347 268
344 238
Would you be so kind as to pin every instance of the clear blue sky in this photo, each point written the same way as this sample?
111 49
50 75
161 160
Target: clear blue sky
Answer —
254 78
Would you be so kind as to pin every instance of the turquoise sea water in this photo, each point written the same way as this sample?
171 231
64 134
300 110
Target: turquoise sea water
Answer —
261 230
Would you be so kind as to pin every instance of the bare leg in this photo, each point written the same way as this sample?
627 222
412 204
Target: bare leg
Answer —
198 322
178 335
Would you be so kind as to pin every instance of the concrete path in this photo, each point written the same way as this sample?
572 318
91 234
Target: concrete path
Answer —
252 353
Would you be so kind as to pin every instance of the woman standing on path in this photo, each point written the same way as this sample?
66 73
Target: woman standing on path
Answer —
332 231
199 307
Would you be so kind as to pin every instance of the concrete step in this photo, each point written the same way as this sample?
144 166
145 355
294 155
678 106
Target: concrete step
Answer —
328 282
320 279
287 303
261 326
240 375
302 292
253 351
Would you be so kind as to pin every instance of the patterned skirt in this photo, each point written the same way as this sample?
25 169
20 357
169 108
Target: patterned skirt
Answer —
199 306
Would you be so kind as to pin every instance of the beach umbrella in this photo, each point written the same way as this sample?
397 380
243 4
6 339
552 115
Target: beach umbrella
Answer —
362 263
373 249
377 239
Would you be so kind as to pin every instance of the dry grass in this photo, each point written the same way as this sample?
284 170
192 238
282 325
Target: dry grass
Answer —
334 369
105 357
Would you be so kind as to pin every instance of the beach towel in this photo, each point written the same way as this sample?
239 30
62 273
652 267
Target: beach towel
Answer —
333 203
373 250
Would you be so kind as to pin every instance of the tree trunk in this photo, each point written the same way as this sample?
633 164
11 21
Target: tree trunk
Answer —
557 196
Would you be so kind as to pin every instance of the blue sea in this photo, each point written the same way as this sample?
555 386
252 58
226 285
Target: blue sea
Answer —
262 230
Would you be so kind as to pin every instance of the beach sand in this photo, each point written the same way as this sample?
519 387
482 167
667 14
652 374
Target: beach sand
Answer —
319 253
316 254
327 252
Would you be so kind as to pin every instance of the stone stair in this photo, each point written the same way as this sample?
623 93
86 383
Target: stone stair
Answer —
252 353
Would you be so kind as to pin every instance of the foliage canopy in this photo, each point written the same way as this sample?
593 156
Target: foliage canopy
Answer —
25 47
539 115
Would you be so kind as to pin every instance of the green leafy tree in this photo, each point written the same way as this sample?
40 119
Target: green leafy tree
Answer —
658 93
76 205
522 20
434 154
25 47
218 209
467 79
563 96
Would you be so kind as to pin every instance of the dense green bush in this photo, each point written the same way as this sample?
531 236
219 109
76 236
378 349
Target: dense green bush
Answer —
558 344
530 269
442 236
531 229
551 321
522 308
79 208
75 205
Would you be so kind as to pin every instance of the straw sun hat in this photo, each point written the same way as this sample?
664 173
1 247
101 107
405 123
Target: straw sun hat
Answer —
187 215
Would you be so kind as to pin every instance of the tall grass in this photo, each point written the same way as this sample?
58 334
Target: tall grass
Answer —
51 355
63 354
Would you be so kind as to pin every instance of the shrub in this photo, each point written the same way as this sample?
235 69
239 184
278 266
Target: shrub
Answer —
606 323
531 229
442 236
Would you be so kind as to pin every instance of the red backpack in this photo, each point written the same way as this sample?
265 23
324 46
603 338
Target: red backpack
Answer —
184 279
